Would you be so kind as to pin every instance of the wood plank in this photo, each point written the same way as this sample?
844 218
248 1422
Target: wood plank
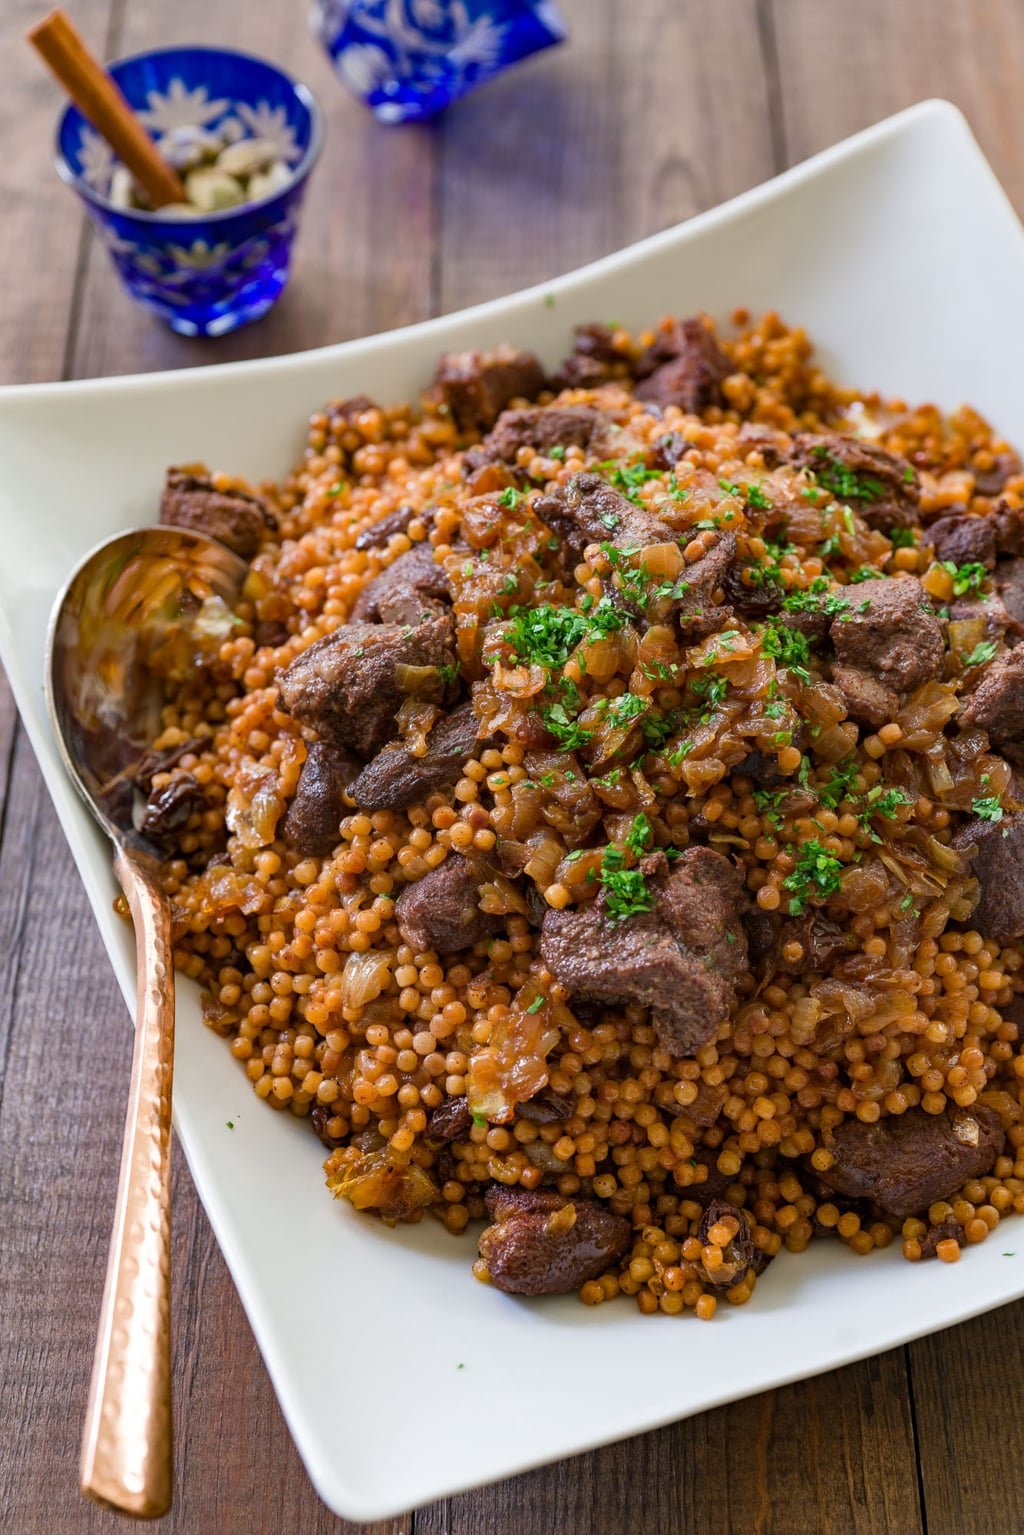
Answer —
832 1455
969 1405
843 66
43 223
623 132
364 251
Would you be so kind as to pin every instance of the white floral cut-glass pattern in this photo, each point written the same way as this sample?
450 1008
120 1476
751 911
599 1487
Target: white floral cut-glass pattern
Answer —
97 161
181 108
271 123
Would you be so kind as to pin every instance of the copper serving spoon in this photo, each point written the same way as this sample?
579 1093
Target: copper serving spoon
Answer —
138 613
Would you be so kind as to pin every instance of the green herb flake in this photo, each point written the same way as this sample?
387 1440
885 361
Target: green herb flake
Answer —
557 453
967 579
230 1124
842 481
510 498
902 538
815 877
569 734
981 653
640 836
537 1003
988 809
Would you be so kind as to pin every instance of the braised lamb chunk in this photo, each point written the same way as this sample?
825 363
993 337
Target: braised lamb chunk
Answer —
997 704
310 825
905 1162
880 486
234 517
822 941
379 534
992 482
1008 581
543 1244
450 1121
998 866
963 539
684 367
681 959
476 386
169 810
693 599
590 511
349 686
753 600
887 642
541 428
989 610
405 592
395 779
737 1254
441 911
669 450
593 361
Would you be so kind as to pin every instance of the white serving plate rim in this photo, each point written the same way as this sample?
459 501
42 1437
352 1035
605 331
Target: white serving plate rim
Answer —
941 1308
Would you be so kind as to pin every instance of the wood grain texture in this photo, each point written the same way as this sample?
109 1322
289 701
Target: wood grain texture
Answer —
655 109
843 66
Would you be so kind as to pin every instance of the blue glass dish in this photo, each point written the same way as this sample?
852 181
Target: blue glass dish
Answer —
207 275
408 59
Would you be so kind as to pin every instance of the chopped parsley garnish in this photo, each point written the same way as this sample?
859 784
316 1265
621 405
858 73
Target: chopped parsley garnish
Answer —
844 482
557 452
988 809
865 573
902 538
816 876
626 893
967 579
788 646
658 728
537 1003
625 709
815 598
510 584
546 635
448 672
336 490
711 688
981 653
768 802
751 495
885 802
480 1120
640 836
628 478
510 498
567 732
839 784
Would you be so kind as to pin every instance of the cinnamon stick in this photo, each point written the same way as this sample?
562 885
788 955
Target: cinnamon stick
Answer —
99 99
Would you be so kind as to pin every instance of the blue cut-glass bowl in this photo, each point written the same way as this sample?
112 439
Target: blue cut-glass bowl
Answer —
207 275
408 59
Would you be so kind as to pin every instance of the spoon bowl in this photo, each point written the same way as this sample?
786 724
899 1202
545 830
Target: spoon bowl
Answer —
140 613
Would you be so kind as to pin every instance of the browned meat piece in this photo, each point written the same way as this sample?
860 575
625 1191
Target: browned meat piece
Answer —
998 867
238 520
545 1245
1008 581
696 610
737 1255
905 1162
887 643
681 959
344 412
504 1199
320 1116
311 823
668 450
991 610
762 767
395 778
685 367
409 590
964 540
592 361
762 930
271 632
992 482
442 912
349 686
590 511
567 802
822 940
882 487
169 810
450 1121
546 1108
379 534
997 703
773 446
476 386
541 428
949 1230
753 601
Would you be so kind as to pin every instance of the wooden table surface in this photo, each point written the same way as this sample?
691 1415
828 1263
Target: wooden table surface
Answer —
655 110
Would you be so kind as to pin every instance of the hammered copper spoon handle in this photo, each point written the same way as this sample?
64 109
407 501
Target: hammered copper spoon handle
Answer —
127 1442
